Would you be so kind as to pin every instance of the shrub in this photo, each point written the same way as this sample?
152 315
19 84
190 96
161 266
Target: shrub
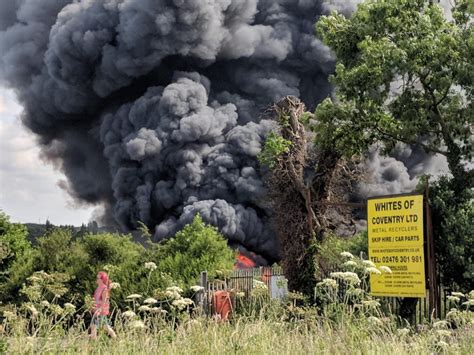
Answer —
197 247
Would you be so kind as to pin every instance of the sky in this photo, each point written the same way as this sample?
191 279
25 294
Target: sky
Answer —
29 190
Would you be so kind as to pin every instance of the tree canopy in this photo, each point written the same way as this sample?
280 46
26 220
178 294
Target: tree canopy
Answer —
404 74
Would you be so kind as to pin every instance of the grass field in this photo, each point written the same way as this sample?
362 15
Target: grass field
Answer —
257 336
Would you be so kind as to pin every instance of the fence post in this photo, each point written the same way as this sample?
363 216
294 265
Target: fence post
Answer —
202 298
434 296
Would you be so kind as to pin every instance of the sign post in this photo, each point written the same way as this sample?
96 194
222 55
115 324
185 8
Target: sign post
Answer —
396 239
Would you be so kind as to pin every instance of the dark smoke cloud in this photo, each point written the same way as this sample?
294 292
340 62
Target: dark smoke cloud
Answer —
152 108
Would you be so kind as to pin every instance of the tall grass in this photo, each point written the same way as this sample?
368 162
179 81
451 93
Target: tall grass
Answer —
269 332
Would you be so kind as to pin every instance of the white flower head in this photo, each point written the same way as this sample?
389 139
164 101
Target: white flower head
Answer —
346 254
371 303
144 308
45 303
114 285
385 269
329 283
373 270
32 309
197 288
150 300
454 299
349 277
368 263
469 303
128 314
350 263
458 294
150 266
134 296
158 310
69 306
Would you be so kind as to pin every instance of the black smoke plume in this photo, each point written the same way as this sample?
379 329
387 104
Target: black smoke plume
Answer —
152 108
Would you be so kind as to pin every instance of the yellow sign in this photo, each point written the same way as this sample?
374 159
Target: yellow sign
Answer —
395 229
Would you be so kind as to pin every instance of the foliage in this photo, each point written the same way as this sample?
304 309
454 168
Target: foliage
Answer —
453 230
275 145
403 74
197 247
13 243
329 252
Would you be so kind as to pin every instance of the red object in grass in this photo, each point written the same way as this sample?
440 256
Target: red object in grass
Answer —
222 304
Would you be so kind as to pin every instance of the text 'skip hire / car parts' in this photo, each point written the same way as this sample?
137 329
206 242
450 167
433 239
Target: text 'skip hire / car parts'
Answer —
396 235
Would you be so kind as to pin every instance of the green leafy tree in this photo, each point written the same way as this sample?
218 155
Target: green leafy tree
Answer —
404 74
13 243
453 217
197 247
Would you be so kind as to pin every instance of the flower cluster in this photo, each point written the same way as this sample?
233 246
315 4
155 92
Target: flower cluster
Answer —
350 277
150 266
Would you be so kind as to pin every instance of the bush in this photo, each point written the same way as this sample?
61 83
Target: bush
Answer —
13 243
197 247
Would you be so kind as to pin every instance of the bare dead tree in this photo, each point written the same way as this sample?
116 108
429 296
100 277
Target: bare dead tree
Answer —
298 201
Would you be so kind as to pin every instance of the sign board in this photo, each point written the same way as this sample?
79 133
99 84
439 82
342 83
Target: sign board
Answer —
278 287
396 236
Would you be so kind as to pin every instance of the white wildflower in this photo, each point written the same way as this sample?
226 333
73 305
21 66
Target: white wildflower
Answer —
151 266
150 300
114 285
346 254
158 310
128 314
182 303
471 295
458 294
45 303
350 263
468 303
240 294
349 277
172 295
453 299
144 308
441 324
259 285
134 296
9 315
356 292
371 303
197 288
330 283
385 269
137 324
373 270
174 289
69 306
368 263
32 309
